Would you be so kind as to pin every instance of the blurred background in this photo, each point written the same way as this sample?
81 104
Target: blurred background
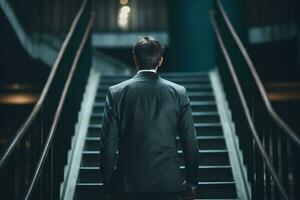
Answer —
32 33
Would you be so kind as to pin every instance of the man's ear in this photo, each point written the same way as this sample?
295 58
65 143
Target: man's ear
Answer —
160 61
135 61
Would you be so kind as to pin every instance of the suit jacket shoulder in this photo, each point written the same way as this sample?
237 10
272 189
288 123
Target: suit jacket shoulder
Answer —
180 91
118 87
162 82
179 88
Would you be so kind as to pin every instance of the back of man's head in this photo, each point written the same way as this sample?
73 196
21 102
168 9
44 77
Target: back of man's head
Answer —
148 53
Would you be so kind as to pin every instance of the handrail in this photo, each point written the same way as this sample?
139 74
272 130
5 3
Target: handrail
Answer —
247 112
32 166
59 110
268 145
289 132
24 127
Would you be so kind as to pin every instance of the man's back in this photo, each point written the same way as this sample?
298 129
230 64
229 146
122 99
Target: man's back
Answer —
143 116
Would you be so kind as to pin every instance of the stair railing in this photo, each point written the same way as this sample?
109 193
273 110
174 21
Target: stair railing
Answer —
32 166
269 146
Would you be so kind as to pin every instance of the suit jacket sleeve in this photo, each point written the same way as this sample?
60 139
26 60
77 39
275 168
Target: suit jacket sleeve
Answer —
188 140
109 138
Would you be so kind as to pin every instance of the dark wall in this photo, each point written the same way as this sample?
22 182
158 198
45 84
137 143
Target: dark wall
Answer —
289 112
46 15
276 60
236 12
191 35
16 65
12 117
268 12
275 50
145 15
125 55
57 15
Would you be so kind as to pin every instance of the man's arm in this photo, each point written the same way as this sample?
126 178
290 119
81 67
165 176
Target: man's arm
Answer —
109 139
188 140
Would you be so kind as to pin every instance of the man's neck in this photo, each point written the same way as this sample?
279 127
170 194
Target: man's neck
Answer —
146 70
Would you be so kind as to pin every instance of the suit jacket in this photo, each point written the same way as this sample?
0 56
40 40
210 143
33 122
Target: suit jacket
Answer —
142 118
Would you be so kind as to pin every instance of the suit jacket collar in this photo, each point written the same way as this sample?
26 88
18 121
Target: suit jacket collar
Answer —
149 74
146 70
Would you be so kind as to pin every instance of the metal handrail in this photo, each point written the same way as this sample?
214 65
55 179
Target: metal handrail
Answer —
58 111
289 132
24 127
247 112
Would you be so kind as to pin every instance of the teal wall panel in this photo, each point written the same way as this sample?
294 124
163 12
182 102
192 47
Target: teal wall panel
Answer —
236 11
191 35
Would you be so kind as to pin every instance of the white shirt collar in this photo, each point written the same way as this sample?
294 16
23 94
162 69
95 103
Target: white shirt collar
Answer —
147 70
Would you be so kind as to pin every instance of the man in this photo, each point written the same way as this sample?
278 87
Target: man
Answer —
142 117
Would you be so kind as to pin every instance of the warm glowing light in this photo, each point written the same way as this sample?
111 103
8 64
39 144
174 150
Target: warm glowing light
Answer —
15 86
123 15
18 98
18 86
123 22
123 2
125 9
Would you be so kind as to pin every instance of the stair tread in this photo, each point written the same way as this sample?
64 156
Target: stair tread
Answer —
188 87
200 167
179 151
202 93
101 114
192 103
216 181
177 80
163 74
195 125
196 106
215 190
177 137
204 142
199 183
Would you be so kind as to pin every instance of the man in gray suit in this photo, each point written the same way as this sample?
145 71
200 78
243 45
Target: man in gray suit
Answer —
142 117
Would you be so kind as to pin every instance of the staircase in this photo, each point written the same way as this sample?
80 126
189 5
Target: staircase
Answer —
215 173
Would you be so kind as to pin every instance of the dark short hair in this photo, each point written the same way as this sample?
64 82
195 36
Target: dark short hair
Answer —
147 51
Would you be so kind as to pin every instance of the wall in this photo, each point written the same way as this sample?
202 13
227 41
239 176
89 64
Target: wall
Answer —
57 15
15 64
191 35
273 38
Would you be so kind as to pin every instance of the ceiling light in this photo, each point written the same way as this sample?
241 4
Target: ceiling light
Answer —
125 9
123 2
123 15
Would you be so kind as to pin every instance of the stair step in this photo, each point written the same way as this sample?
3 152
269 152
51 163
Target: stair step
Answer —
205 143
215 173
189 87
206 174
178 80
193 96
202 129
208 142
207 190
199 117
206 158
197 106
175 75
169 75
